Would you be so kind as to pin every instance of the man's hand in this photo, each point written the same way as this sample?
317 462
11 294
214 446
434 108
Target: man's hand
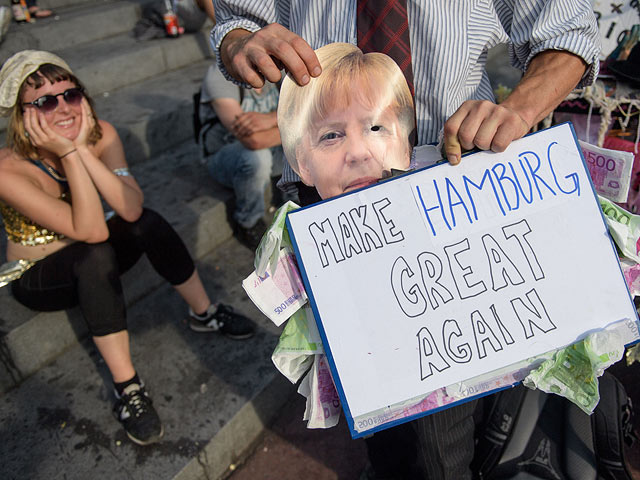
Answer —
551 76
249 123
481 124
252 57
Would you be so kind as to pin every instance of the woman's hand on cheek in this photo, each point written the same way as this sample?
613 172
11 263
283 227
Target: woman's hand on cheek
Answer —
42 135
88 122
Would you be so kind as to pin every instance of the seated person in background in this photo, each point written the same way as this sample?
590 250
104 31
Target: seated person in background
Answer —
241 146
37 12
341 134
60 163
193 13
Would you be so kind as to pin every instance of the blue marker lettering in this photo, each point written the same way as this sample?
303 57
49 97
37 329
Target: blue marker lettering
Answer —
500 179
487 175
438 207
534 174
450 188
572 176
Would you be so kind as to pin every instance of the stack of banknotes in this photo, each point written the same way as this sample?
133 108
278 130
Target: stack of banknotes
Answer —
610 171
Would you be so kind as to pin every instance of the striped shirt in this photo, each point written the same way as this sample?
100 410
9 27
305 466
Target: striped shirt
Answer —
449 41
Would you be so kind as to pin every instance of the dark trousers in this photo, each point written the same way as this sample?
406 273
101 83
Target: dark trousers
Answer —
88 274
439 446
446 442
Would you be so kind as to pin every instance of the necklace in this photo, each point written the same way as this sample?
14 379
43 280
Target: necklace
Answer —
55 174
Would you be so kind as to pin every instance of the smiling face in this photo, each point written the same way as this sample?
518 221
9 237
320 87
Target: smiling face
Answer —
66 119
351 148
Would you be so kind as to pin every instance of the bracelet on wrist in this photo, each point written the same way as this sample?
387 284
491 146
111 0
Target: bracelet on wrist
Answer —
69 152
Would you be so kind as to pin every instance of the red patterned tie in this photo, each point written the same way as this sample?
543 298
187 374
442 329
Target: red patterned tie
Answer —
383 27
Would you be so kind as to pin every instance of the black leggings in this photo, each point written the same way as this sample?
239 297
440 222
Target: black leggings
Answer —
88 274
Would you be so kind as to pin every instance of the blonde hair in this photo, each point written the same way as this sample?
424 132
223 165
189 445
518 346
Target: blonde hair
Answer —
343 66
17 139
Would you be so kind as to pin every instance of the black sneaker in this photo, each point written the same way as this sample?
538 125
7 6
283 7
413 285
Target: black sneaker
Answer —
250 237
223 320
135 411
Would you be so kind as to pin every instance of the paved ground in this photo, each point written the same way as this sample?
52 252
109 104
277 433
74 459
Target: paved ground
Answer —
289 451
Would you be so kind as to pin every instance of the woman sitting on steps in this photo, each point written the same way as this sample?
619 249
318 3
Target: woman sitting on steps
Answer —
60 163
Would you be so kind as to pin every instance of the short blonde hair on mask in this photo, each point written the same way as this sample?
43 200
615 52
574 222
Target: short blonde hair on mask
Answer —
344 66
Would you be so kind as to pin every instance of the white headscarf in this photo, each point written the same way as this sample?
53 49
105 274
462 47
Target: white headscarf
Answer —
16 69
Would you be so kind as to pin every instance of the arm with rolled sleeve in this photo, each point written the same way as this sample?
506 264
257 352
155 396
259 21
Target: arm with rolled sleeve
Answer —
558 44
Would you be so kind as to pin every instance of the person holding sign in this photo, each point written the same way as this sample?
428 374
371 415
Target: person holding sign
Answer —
557 43
351 126
342 112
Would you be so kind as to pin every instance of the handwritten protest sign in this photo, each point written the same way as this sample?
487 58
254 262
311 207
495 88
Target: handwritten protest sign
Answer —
448 273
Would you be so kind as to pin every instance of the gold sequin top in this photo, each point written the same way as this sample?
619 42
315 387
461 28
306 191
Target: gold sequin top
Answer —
21 229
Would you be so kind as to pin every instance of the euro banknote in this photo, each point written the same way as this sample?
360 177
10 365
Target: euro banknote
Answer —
610 171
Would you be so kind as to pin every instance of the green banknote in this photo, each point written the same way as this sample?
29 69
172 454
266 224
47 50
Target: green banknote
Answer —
624 228
573 371
273 240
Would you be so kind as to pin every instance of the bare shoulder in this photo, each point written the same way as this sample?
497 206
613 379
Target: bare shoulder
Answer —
15 173
108 130
10 161
109 137
109 133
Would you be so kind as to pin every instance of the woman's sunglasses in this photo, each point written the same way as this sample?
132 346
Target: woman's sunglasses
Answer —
48 103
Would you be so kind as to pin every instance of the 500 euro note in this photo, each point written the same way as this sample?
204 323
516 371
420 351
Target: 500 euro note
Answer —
610 171
280 293
323 404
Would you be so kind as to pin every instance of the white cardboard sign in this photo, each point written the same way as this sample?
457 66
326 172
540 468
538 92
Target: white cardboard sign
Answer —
448 273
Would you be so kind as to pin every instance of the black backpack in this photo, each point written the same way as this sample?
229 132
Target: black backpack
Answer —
198 125
202 128
529 435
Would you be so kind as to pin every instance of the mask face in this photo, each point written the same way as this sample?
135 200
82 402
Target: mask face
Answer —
351 148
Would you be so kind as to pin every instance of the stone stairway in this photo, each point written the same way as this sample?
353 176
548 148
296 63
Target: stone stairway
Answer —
213 394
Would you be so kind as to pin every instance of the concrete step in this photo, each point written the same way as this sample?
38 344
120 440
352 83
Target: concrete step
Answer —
213 394
79 24
56 5
156 114
109 64
175 185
